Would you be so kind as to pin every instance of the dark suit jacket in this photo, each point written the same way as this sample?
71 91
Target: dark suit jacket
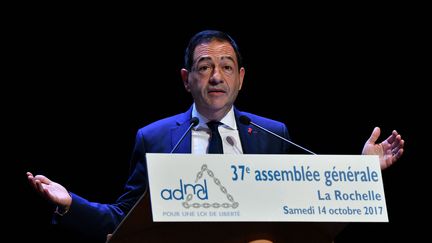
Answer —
160 137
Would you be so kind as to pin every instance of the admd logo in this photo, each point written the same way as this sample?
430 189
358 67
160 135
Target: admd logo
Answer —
199 190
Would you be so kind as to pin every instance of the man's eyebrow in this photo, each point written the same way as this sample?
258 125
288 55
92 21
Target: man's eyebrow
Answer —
206 58
203 59
228 57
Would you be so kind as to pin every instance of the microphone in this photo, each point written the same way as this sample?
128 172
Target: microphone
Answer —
246 121
193 122
233 144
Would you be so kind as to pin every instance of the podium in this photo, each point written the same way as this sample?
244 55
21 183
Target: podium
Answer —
138 226
322 204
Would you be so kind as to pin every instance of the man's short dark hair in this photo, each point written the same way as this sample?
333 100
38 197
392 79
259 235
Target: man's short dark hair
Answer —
207 36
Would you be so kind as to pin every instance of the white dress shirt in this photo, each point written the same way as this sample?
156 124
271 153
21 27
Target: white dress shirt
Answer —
228 131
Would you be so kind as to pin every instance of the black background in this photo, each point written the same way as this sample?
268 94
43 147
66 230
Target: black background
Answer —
81 80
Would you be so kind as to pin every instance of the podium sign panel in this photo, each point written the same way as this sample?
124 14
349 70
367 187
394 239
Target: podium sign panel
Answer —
266 188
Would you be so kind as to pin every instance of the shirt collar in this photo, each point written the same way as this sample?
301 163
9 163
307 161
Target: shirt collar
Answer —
228 120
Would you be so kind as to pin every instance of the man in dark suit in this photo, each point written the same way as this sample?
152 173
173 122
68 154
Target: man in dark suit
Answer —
214 75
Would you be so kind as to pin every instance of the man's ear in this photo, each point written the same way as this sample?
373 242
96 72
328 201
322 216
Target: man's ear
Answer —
184 75
242 74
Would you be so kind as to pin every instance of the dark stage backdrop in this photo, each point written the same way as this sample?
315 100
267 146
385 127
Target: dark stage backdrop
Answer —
82 84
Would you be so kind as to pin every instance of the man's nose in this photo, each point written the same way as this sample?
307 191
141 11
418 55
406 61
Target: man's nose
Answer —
216 76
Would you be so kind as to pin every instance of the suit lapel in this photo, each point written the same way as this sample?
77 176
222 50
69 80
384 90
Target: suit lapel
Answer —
182 124
248 136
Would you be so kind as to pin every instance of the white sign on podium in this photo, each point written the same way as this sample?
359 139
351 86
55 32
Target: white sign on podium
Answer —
262 188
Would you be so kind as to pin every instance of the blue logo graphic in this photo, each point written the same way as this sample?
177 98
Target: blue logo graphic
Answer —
199 190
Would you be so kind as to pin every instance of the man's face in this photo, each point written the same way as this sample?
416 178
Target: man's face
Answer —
215 78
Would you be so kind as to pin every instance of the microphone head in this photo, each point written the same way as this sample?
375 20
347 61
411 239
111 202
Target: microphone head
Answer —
231 141
245 120
194 121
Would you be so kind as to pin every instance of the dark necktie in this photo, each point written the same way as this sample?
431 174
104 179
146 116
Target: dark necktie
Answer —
215 145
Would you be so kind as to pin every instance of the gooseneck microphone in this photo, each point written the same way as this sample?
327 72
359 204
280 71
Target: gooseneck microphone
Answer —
193 122
246 121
